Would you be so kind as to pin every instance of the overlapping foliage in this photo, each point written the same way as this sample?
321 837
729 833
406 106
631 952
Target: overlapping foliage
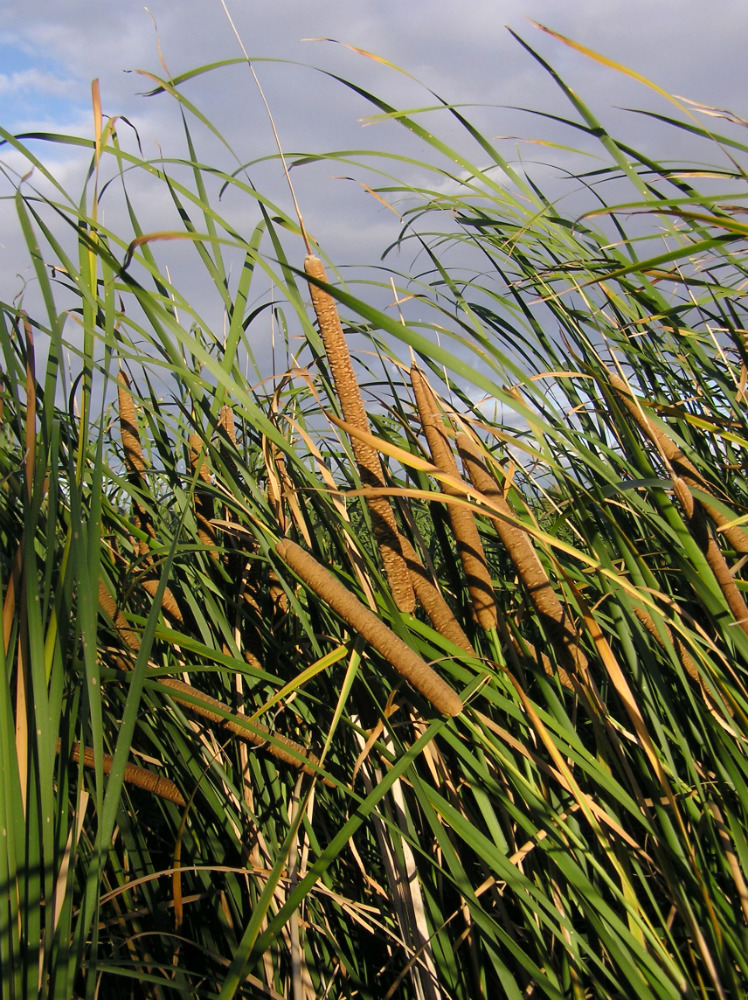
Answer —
213 782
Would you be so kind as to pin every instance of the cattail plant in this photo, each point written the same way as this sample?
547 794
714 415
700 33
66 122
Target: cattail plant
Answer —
543 846
241 725
407 663
699 528
530 570
469 545
156 784
680 463
134 460
354 411
203 505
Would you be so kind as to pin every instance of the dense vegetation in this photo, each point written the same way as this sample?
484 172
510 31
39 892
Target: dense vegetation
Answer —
418 676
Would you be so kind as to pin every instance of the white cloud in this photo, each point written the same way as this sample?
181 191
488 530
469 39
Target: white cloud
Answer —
36 81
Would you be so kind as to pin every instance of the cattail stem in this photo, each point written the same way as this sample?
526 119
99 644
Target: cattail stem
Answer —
469 546
408 663
522 553
367 458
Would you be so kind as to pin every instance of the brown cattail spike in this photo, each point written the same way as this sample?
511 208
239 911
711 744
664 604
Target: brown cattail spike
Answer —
696 521
529 568
241 725
430 598
469 545
683 655
203 504
367 458
109 607
408 663
210 708
226 422
129 426
527 648
681 464
164 788
169 603
134 461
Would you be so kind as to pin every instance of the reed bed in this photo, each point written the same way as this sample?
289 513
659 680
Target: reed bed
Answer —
518 776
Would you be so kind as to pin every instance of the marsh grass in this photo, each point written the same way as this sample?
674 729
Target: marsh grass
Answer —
580 827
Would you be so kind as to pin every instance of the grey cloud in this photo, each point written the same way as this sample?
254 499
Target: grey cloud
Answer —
464 54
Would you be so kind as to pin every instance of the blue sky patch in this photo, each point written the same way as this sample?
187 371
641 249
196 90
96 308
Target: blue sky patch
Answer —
35 90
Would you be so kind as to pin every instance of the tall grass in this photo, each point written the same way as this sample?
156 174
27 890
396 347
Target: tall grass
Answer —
215 781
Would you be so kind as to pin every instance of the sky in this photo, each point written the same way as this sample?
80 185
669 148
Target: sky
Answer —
51 50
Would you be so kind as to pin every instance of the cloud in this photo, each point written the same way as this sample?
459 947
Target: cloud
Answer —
465 54
35 81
